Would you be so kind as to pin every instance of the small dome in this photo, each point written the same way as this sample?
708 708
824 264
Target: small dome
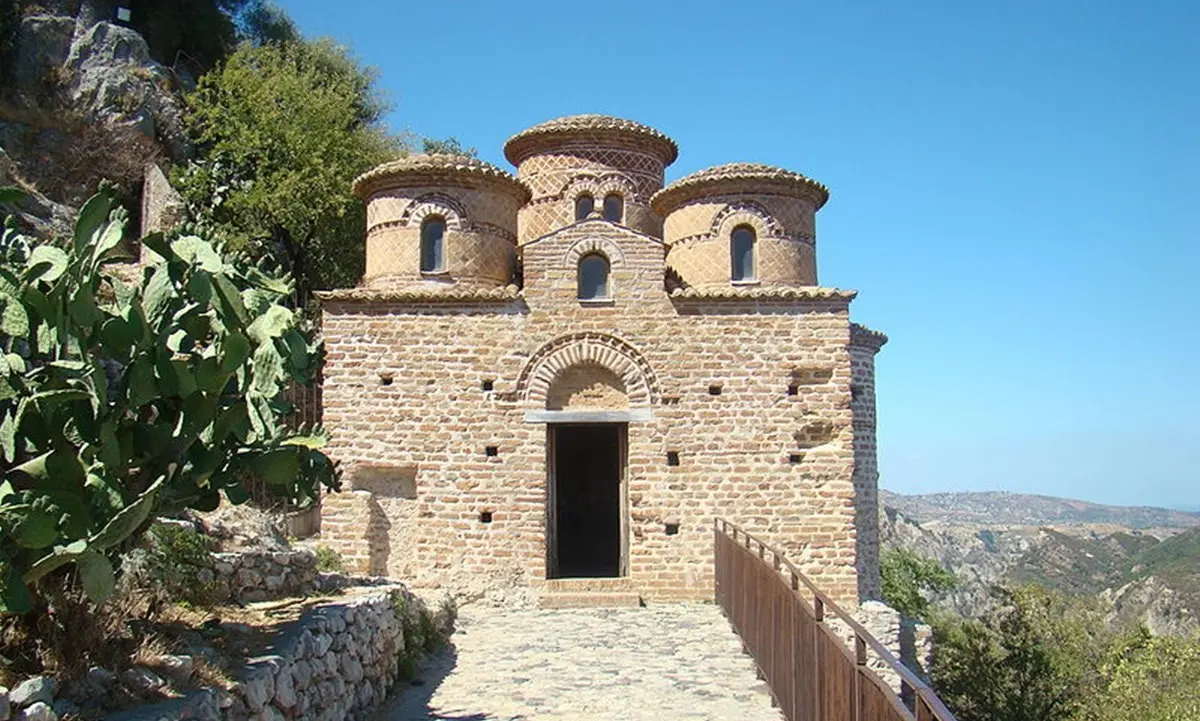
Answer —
599 127
738 178
421 170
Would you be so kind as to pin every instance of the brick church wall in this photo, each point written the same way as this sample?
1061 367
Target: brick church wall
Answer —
403 390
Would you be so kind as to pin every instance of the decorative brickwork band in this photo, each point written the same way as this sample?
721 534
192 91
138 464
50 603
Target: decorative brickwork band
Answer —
607 246
599 186
553 359
439 204
746 212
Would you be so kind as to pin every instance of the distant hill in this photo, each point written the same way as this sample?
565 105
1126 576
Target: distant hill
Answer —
1022 509
1146 561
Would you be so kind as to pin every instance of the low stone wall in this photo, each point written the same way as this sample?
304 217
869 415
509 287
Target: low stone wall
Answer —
883 622
337 661
262 575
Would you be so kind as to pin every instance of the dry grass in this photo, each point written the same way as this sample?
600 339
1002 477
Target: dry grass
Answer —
69 634
70 169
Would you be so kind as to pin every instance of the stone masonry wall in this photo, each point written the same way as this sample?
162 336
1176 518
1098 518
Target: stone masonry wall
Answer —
753 395
337 661
864 346
262 575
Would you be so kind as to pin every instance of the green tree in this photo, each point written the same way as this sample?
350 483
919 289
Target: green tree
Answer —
1036 655
119 402
449 146
265 22
908 577
1151 679
284 129
200 33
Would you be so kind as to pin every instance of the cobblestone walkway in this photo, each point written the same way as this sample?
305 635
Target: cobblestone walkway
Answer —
664 662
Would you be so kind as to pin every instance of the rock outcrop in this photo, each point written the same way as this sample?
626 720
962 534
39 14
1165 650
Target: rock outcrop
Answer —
81 101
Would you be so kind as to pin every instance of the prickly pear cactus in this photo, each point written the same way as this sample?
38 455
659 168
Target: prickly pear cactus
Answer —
118 401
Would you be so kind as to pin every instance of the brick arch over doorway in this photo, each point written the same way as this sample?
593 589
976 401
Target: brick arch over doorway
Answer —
609 352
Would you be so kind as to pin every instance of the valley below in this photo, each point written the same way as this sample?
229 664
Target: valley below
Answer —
1144 561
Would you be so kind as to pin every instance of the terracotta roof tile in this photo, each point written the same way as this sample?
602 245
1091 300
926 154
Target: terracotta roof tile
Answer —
737 177
763 293
531 140
422 295
427 169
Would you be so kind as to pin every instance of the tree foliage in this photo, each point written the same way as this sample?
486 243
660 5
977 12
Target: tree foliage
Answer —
119 402
285 128
1149 678
449 146
200 32
1035 655
907 578
265 22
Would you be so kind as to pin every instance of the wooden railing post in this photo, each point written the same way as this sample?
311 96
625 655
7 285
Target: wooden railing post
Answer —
812 675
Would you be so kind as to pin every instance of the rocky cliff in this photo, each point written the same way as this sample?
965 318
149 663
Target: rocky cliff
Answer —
81 100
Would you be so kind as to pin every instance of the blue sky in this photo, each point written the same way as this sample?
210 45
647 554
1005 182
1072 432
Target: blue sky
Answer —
1015 192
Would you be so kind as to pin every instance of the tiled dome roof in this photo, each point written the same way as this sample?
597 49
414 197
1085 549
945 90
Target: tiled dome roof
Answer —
529 141
860 335
435 169
738 177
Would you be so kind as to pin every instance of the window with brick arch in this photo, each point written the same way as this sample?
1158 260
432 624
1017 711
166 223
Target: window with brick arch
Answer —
584 205
614 208
593 277
741 253
433 244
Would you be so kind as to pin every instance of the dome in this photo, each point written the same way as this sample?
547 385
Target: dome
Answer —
599 128
433 170
739 179
434 220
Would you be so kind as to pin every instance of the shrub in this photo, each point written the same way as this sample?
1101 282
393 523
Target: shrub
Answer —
179 560
1034 656
908 577
328 560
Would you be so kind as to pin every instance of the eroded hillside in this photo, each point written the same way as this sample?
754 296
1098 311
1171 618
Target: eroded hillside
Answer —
1145 560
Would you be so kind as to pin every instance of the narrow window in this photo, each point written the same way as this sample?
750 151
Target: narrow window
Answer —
741 250
614 207
593 277
433 233
584 205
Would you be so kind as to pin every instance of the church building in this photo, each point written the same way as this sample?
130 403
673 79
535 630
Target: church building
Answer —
557 380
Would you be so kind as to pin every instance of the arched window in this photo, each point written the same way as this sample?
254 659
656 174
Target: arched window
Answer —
614 207
593 277
433 255
741 252
584 205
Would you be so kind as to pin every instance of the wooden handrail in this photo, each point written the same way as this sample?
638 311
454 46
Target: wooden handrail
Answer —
926 706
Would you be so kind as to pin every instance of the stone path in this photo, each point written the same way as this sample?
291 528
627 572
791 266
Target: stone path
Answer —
666 662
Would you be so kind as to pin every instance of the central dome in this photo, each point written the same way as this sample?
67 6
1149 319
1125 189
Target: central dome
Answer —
589 127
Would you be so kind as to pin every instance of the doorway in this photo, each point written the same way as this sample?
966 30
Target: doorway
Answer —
586 505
